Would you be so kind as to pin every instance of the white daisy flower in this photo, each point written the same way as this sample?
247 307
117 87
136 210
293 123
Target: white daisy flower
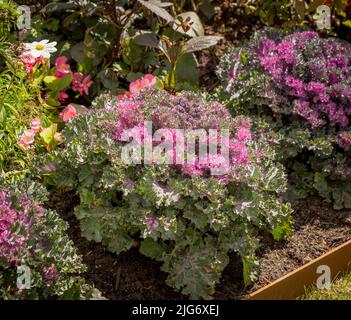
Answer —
43 48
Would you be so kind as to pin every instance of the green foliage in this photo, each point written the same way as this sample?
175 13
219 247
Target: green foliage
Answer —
102 35
290 14
8 18
177 48
20 102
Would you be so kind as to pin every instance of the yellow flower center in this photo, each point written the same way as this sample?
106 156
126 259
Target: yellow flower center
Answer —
39 47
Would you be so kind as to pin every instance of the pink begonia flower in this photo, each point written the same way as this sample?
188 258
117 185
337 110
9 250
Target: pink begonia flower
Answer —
63 69
26 139
35 124
29 61
81 84
62 96
69 113
146 81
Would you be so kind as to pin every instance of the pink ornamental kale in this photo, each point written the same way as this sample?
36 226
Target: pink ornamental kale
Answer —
13 228
313 73
166 111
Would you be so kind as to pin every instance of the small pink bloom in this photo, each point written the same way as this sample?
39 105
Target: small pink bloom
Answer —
63 69
77 78
81 84
40 60
146 81
35 125
135 87
87 82
69 113
28 60
26 139
62 96
149 80
28 136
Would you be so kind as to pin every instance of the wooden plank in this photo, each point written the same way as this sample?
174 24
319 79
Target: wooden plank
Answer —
293 284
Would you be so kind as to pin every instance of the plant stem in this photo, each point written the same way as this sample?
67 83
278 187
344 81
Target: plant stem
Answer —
172 78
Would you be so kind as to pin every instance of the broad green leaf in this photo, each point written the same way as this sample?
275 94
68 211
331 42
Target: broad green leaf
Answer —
58 84
147 39
49 80
121 68
91 229
52 101
132 76
71 18
77 52
153 249
48 133
120 242
132 53
108 78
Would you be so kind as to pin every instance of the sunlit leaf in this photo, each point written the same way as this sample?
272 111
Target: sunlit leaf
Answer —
154 7
201 43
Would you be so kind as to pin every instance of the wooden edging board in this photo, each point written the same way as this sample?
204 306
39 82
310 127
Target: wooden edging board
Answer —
293 285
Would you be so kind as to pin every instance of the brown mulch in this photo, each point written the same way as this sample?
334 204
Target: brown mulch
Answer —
317 229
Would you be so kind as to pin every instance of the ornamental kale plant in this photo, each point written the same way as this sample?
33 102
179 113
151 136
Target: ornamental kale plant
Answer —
181 215
303 82
37 260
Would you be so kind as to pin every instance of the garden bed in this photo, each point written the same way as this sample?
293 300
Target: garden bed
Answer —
317 229
82 83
